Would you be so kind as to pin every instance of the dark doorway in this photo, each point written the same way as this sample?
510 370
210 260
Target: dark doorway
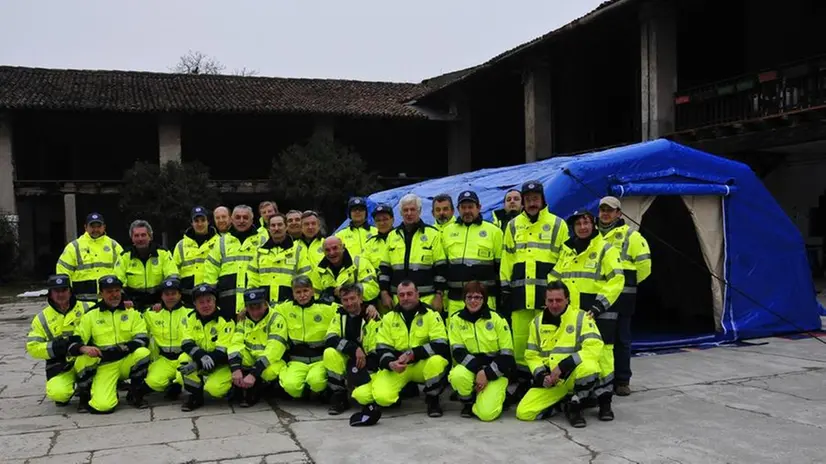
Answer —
675 301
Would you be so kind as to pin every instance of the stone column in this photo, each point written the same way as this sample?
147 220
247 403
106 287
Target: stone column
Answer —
70 213
538 118
658 61
169 139
459 136
7 200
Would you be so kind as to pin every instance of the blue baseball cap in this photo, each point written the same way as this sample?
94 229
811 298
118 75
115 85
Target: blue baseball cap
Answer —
467 195
95 217
198 211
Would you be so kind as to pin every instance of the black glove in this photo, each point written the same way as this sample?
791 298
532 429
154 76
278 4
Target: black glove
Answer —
60 346
597 308
114 353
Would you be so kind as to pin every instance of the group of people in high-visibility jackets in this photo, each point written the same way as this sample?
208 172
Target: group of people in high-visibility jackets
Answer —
371 313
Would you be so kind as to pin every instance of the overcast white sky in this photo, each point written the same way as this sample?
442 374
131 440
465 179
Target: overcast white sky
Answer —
368 40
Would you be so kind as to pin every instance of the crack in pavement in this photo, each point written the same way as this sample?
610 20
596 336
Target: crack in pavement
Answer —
287 420
594 454
766 388
53 442
734 380
622 457
195 430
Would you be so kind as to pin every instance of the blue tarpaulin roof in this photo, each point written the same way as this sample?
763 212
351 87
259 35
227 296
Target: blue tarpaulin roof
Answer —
766 263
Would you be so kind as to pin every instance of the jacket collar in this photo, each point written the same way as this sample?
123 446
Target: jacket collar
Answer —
286 244
483 313
190 232
242 236
421 309
309 304
365 226
614 225
153 251
72 303
179 305
310 241
204 319
477 221
418 226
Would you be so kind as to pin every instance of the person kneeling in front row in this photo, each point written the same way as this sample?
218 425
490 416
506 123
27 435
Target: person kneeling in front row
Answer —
563 352
258 347
481 344
350 358
412 347
207 338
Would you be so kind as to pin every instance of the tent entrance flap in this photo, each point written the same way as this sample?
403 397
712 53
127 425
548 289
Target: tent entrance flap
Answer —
678 300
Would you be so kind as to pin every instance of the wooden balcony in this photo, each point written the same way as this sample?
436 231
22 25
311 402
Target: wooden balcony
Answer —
781 97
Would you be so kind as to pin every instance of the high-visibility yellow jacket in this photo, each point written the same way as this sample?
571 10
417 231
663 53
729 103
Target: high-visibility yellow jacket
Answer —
211 335
636 259
87 259
265 340
375 247
190 256
49 335
594 275
142 278
482 341
442 227
273 266
530 251
473 252
421 331
166 330
226 268
109 328
307 328
315 248
348 332
355 238
326 278
565 341
418 256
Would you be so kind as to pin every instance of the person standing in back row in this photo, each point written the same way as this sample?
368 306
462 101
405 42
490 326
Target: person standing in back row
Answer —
636 266
88 258
191 251
227 263
530 251
356 234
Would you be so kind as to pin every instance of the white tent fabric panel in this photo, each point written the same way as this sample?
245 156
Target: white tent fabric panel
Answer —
707 213
634 208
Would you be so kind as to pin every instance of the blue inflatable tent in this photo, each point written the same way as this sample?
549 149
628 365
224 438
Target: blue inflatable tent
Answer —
739 232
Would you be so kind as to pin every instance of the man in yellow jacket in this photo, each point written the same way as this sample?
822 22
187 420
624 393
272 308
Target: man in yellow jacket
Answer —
49 336
564 349
192 250
592 270
206 344
258 346
88 258
636 267
412 347
350 357
166 331
111 343
275 263
143 266
340 267
307 321
531 247
356 234
227 263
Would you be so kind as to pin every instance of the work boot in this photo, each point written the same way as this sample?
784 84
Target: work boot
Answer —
173 392
369 415
83 402
467 410
338 403
622 389
574 413
434 409
194 401
137 391
605 413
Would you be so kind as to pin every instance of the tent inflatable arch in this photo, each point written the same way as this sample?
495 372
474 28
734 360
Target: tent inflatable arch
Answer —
701 215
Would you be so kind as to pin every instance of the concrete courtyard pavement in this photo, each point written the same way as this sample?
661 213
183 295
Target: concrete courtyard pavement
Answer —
759 403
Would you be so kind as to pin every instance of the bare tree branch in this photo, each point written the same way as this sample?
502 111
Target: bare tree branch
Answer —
197 63
245 72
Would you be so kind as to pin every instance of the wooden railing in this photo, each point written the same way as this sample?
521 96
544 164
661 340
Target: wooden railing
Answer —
785 89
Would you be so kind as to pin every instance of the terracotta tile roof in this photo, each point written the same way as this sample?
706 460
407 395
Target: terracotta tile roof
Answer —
149 92
459 76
